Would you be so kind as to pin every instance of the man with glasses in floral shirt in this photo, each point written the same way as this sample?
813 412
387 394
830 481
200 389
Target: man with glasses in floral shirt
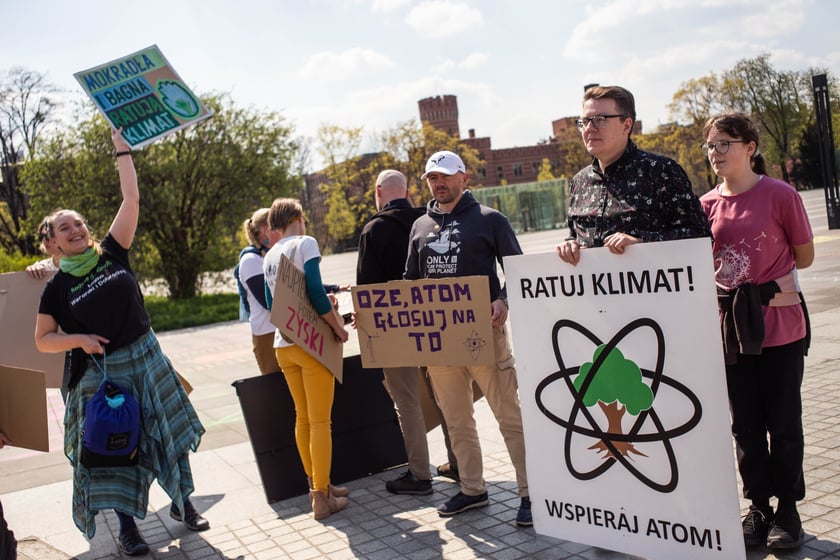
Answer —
626 195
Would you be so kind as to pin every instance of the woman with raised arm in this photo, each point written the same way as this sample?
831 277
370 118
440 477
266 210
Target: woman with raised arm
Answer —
93 307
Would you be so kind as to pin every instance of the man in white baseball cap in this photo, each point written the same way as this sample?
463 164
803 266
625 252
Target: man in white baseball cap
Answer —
457 236
446 162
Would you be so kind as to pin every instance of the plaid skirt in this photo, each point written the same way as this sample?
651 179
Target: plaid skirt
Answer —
169 429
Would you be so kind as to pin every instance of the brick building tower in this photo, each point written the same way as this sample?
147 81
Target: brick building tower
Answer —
441 112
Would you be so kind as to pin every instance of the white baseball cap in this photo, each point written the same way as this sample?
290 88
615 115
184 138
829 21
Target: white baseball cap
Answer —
445 162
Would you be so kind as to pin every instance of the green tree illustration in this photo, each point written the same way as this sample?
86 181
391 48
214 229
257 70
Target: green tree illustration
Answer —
617 388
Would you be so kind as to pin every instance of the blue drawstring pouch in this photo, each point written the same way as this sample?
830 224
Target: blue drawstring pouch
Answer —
111 434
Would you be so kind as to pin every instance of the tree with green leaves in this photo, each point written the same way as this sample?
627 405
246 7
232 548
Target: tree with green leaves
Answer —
196 187
617 388
27 107
693 103
572 153
409 146
349 175
349 178
780 100
680 143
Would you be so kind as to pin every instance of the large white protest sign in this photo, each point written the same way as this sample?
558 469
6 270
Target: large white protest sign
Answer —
624 401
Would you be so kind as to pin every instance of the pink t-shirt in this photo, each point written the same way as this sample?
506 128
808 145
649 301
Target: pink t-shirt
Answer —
754 233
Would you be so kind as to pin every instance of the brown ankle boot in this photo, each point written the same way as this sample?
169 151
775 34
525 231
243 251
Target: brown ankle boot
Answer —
324 504
339 491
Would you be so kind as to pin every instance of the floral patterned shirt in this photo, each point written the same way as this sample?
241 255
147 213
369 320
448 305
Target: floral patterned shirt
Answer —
641 194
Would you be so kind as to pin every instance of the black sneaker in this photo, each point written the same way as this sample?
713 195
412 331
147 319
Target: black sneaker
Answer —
192 520
446 470
461 502
523 516
131 543
755 525
786 532
406 483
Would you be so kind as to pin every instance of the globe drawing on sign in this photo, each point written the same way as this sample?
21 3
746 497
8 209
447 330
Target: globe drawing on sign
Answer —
178 99
608 407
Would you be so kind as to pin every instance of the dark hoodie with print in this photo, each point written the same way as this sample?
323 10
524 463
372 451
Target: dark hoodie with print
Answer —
468 241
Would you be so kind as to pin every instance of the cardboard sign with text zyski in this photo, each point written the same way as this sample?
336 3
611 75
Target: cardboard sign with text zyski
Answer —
23 408
19 299
430 322
293 314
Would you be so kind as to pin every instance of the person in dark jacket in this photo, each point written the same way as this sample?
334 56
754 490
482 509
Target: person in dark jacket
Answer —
627 195
459 237
383 247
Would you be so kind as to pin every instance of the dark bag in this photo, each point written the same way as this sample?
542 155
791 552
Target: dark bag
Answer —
111 433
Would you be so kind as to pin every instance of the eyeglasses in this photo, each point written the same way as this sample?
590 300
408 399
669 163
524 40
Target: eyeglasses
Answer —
721 146
597 121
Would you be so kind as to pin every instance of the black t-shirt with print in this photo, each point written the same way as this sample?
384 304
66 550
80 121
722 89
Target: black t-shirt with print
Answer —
106 302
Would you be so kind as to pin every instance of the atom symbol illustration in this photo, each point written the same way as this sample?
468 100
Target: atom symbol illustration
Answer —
614 441
474 343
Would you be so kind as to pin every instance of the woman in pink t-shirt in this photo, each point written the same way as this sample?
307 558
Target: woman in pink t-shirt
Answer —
761 238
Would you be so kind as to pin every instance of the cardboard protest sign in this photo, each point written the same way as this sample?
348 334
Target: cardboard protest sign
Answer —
293 314
23 408
19 299
624 402
143 94
429 322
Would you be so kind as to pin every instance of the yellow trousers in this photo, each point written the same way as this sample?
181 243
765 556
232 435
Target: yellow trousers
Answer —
312 387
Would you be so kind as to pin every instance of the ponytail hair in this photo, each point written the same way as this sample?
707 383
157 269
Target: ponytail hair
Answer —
253 225
758 163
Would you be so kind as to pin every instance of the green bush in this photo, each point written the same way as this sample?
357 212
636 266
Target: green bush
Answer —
168 314
16 263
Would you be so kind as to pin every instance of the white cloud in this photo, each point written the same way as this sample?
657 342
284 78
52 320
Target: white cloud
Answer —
469 62
387 5
383 5
606 29
444 66
474 60
380 108
330 66
438 18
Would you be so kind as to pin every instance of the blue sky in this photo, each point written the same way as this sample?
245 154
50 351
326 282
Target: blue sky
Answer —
515 65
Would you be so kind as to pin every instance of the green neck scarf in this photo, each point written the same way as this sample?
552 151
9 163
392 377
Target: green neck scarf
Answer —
79 265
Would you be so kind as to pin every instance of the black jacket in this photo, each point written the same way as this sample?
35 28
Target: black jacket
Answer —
383 244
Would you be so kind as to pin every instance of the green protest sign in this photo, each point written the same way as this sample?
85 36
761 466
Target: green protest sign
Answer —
144 95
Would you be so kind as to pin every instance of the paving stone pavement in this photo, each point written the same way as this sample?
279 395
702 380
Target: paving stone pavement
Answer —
35 487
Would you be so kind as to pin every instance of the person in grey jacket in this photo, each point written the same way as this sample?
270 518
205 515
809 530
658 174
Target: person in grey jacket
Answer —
459 237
